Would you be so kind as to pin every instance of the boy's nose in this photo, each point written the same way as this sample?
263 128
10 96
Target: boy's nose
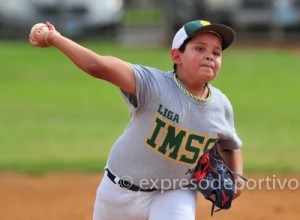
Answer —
208 57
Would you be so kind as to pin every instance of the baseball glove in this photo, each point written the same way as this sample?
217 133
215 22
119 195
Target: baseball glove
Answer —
212 176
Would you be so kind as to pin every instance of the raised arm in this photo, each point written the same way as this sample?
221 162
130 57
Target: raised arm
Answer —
107 68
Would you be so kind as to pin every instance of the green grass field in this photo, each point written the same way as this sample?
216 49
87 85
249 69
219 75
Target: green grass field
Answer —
56 118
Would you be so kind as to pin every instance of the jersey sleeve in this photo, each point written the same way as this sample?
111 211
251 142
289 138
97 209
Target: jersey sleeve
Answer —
229 139
146 87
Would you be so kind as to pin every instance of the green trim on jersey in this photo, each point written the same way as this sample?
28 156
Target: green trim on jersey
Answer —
190 94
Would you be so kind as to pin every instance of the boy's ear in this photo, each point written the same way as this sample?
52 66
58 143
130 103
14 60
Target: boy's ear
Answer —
176 56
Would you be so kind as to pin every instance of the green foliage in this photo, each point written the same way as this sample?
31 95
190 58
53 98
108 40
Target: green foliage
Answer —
54 117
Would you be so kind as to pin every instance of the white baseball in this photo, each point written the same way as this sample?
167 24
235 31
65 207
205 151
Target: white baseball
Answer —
38 25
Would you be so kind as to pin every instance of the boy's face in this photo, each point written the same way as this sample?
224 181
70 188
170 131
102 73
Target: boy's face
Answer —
201 60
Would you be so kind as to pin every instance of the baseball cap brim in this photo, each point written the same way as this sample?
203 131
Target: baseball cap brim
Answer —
226 33
193 28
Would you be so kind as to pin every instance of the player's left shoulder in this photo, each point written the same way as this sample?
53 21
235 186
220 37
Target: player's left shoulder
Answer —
220 98
218 94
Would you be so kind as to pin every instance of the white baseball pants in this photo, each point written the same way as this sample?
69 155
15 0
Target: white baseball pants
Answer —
116 203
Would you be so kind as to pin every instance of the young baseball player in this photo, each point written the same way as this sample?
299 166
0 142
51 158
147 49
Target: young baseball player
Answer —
175 116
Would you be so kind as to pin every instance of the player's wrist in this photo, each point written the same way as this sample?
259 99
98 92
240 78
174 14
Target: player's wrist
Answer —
49 38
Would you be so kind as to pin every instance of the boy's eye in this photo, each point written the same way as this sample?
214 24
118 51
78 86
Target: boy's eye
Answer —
200 48
217 53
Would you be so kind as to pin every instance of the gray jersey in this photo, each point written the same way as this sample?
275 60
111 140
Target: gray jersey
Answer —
169 130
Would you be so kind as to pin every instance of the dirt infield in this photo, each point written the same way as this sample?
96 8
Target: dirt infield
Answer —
71 196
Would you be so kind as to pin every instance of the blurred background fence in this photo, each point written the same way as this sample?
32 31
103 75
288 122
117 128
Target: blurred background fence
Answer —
152 22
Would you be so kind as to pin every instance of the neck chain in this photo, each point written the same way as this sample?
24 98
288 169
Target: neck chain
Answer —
188 93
